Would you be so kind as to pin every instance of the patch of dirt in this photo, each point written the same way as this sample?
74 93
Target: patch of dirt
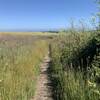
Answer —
44 86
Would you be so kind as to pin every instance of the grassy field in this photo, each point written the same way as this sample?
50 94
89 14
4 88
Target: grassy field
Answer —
20 57
75 62
28 33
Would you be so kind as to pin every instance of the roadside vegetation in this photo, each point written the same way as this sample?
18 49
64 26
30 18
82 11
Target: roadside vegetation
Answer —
20 58
75 66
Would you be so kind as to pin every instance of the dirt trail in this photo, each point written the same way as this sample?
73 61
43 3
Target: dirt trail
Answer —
44 88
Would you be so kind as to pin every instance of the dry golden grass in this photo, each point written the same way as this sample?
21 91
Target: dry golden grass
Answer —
19 66
27 33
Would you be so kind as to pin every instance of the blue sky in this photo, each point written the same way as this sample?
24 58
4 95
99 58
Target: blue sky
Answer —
43 14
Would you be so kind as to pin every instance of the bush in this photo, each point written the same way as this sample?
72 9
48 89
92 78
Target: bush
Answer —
70 75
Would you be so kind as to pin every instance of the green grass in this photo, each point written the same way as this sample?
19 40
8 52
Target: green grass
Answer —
19 67
70 76
21 55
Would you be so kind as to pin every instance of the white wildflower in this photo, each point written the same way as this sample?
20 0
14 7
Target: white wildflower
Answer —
0 81
90 84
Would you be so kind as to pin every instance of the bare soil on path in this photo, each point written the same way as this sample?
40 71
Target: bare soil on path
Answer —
44 87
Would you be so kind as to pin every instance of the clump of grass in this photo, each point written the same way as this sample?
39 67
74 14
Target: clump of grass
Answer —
19 67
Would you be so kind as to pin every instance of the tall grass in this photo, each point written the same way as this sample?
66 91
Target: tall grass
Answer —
19 67
71 67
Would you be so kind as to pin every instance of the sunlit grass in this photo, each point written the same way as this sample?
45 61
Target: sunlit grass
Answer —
19 68
27 33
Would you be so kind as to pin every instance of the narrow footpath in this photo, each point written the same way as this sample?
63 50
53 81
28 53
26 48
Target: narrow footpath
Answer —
44 87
